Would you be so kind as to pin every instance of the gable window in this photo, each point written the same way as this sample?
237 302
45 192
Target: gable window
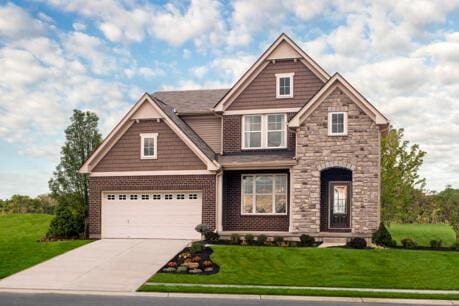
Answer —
284 85
264 131
264 194
337 123
149 146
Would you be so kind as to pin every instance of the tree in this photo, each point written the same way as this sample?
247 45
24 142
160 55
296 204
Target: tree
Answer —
401 182
82 137
448 200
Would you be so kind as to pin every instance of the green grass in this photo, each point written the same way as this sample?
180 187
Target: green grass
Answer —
332 267
306 292
423 233
19 248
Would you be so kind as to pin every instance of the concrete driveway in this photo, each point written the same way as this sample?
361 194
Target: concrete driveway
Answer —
103 265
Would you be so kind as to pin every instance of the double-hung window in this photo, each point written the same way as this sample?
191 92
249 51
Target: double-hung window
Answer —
337 123
264 131
264 194
149 146
284 85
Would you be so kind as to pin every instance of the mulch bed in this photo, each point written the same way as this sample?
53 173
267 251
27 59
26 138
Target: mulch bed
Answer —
186 262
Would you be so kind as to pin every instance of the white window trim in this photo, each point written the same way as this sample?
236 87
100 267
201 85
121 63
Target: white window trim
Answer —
155 142
330 132
264 132
273 195
284 75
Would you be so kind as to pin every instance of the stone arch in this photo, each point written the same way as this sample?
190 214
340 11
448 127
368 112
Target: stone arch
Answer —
336 164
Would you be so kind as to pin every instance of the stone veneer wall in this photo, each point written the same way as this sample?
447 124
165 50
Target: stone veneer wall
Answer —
358 151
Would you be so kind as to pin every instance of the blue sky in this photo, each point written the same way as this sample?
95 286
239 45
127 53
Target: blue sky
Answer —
102 55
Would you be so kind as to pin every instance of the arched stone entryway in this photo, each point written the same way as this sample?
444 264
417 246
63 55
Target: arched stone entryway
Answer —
335 199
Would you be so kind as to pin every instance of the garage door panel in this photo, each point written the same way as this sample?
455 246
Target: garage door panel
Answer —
173 218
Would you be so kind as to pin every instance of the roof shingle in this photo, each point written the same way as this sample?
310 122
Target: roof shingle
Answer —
191 101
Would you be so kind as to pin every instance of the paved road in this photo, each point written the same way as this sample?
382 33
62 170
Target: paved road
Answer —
46 299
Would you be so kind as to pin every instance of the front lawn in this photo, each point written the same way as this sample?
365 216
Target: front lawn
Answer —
423 233
19 248
332 267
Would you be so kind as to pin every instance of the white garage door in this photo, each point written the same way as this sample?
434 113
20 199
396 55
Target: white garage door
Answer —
169 215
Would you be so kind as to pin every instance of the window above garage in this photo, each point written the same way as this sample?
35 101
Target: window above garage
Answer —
149 146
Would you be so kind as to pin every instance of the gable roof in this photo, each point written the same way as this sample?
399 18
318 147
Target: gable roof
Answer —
283 40
185 128
191 101
338 81
183 131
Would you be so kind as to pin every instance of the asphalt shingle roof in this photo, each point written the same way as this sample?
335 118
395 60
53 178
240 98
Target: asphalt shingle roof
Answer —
191 101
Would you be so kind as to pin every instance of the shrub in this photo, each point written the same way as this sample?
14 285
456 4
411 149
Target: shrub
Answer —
191 265
278 240
357 243
293 244
382 236
207 263
182 269
235 239
261 239
196 259
184 255
172 264
195 271
197 247
307 240
203 229
408 243
435 244
212 236
66 223
393 243
249 239
169 269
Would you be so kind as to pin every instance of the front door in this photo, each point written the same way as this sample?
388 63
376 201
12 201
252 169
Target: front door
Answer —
339 205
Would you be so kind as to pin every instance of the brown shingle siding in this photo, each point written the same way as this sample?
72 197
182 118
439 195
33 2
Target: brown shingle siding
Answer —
261 93
204 183
173 153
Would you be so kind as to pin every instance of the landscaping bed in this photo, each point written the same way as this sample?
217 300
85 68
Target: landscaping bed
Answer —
191 261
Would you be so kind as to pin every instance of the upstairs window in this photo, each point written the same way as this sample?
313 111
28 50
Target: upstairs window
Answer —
337 123
264 131
284 85
149 146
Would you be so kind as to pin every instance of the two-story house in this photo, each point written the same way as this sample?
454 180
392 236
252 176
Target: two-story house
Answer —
287 150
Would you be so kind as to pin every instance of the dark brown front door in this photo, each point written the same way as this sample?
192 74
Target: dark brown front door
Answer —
339 205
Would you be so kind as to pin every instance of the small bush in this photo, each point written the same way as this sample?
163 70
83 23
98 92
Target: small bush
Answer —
249 239
382 236
197 247
408 243
307 240
182 269
357 243
278 240
393 243
212 236
235 238
203 229
435 244
66 223
261 239
169 269
293 244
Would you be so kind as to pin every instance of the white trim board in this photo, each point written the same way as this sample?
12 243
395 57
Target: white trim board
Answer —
262 111
152 173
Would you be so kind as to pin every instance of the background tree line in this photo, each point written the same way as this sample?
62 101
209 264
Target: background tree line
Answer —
21 204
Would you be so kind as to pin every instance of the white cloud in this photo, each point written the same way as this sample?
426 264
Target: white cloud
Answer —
79 27
199 71
176 26
15 23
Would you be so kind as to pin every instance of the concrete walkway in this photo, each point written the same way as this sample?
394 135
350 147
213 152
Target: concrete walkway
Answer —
104 265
